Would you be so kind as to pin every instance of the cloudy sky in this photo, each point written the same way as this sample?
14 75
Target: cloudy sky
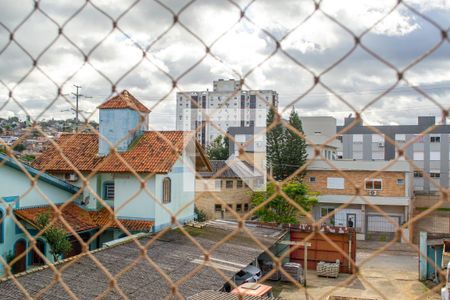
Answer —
240 48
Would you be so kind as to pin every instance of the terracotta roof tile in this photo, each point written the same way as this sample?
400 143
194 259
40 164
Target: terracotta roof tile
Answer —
78 218
124 100
154 152
80 149
81 220
104 218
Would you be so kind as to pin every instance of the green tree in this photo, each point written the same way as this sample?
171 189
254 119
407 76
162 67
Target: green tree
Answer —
20 147
218 149
286 150
294 155
56 237
279 210
274 143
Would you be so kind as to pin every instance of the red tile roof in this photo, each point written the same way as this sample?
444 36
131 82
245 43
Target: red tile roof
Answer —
80 149
78 218
81 220
153 152
104 218
124 100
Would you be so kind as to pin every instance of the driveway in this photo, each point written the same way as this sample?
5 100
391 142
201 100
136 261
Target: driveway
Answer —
394 273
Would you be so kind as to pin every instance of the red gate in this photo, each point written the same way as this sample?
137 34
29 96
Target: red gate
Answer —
343 238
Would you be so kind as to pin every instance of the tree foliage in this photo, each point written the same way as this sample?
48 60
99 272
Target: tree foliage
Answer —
56 237
280 210
218 149
286 149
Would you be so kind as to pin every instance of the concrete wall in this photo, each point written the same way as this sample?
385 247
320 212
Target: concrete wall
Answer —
117 126
132 202
182 179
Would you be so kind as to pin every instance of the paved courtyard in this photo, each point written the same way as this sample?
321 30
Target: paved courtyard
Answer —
394 273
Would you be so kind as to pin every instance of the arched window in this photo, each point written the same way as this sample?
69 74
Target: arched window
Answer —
2 221
167 190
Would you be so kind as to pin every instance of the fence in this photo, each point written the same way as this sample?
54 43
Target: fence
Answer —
106 199
325 249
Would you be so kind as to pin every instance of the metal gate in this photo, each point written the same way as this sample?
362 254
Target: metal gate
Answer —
380 228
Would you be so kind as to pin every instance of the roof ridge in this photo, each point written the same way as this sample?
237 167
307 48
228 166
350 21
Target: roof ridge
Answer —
124 100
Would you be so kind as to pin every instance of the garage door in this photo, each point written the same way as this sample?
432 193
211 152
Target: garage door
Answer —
378 223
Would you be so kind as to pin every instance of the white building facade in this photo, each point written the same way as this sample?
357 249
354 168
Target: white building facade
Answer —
211 113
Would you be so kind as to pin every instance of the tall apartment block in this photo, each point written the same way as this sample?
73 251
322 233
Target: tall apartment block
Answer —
430 152
211 113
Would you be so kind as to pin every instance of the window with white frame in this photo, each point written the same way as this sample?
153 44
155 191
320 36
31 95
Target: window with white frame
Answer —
435 155
109 190
435 174
374 184
435 139
325 211
218 184
419 155
400 181
336 183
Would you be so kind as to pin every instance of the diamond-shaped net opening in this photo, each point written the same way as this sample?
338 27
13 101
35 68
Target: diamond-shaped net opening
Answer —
107 208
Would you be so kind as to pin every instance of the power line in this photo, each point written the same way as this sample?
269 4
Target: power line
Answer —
77 110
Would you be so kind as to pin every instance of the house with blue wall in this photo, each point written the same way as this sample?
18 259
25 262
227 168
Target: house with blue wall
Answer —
141 176
123 180
24 187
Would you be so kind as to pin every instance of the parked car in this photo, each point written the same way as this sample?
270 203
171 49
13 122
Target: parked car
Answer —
253 289
247 274
445 294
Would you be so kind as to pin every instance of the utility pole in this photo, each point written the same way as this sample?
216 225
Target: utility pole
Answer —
77 110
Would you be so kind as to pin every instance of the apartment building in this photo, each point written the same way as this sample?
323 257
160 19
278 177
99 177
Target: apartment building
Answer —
320 133
383 190
429 152
227 105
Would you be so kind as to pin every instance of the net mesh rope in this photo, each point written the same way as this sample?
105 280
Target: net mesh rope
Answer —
208 53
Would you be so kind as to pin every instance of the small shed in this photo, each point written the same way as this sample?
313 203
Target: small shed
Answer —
431 255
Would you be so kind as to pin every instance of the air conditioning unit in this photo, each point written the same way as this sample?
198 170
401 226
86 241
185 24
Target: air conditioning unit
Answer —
72 177
373 193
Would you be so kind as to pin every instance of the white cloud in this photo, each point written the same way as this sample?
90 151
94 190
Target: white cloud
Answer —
317 44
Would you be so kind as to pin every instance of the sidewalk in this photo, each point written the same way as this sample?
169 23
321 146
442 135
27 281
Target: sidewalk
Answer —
399 248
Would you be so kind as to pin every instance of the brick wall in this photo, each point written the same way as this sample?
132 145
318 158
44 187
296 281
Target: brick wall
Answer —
390 188
206 201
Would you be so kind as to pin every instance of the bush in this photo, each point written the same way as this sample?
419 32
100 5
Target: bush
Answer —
200 215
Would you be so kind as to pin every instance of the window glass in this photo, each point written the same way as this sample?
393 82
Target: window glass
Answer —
238 207
229 184
167 190
335 183
109 191
435 155
239 184
218 207
418 155
373 184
